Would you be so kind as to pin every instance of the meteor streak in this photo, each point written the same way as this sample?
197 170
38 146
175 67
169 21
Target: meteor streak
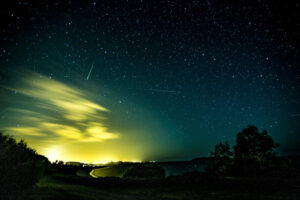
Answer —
88 76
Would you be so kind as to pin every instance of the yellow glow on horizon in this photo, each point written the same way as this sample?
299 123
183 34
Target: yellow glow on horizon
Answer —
76 123
61 115
57 152
52 154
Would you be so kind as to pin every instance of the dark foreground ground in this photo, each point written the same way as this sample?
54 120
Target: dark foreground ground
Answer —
194 185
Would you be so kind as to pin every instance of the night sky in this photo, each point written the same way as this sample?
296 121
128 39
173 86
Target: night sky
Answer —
96 81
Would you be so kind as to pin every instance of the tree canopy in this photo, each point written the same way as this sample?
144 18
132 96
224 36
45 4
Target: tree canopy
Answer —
253 151
252 145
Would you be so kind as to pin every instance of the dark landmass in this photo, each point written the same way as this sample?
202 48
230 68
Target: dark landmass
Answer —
24 174
192 185
74 182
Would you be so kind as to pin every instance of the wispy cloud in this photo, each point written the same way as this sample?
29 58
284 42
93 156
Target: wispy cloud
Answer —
71 121
51 109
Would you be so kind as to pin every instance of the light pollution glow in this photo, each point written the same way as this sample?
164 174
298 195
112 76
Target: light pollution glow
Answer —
62 122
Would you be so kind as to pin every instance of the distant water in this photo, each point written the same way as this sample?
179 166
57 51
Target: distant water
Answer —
178 168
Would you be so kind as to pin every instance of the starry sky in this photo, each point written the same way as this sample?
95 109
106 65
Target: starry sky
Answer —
98 81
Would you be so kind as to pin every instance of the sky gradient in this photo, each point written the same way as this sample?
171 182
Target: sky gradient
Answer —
96 81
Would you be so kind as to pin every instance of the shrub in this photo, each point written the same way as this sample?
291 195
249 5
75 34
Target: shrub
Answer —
20 166
221 159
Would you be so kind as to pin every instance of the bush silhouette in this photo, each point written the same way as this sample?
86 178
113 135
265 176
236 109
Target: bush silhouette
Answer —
222 159
20 166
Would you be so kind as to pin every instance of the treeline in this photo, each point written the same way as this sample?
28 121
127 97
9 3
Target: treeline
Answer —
20 167
252 155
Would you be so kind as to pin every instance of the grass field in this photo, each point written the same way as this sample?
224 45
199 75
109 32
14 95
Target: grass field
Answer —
67 182
186 187
50 188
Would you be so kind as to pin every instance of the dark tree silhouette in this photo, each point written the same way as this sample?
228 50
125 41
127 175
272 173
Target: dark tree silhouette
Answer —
253 153
222 151
20 166
255 146
59 162
222 159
